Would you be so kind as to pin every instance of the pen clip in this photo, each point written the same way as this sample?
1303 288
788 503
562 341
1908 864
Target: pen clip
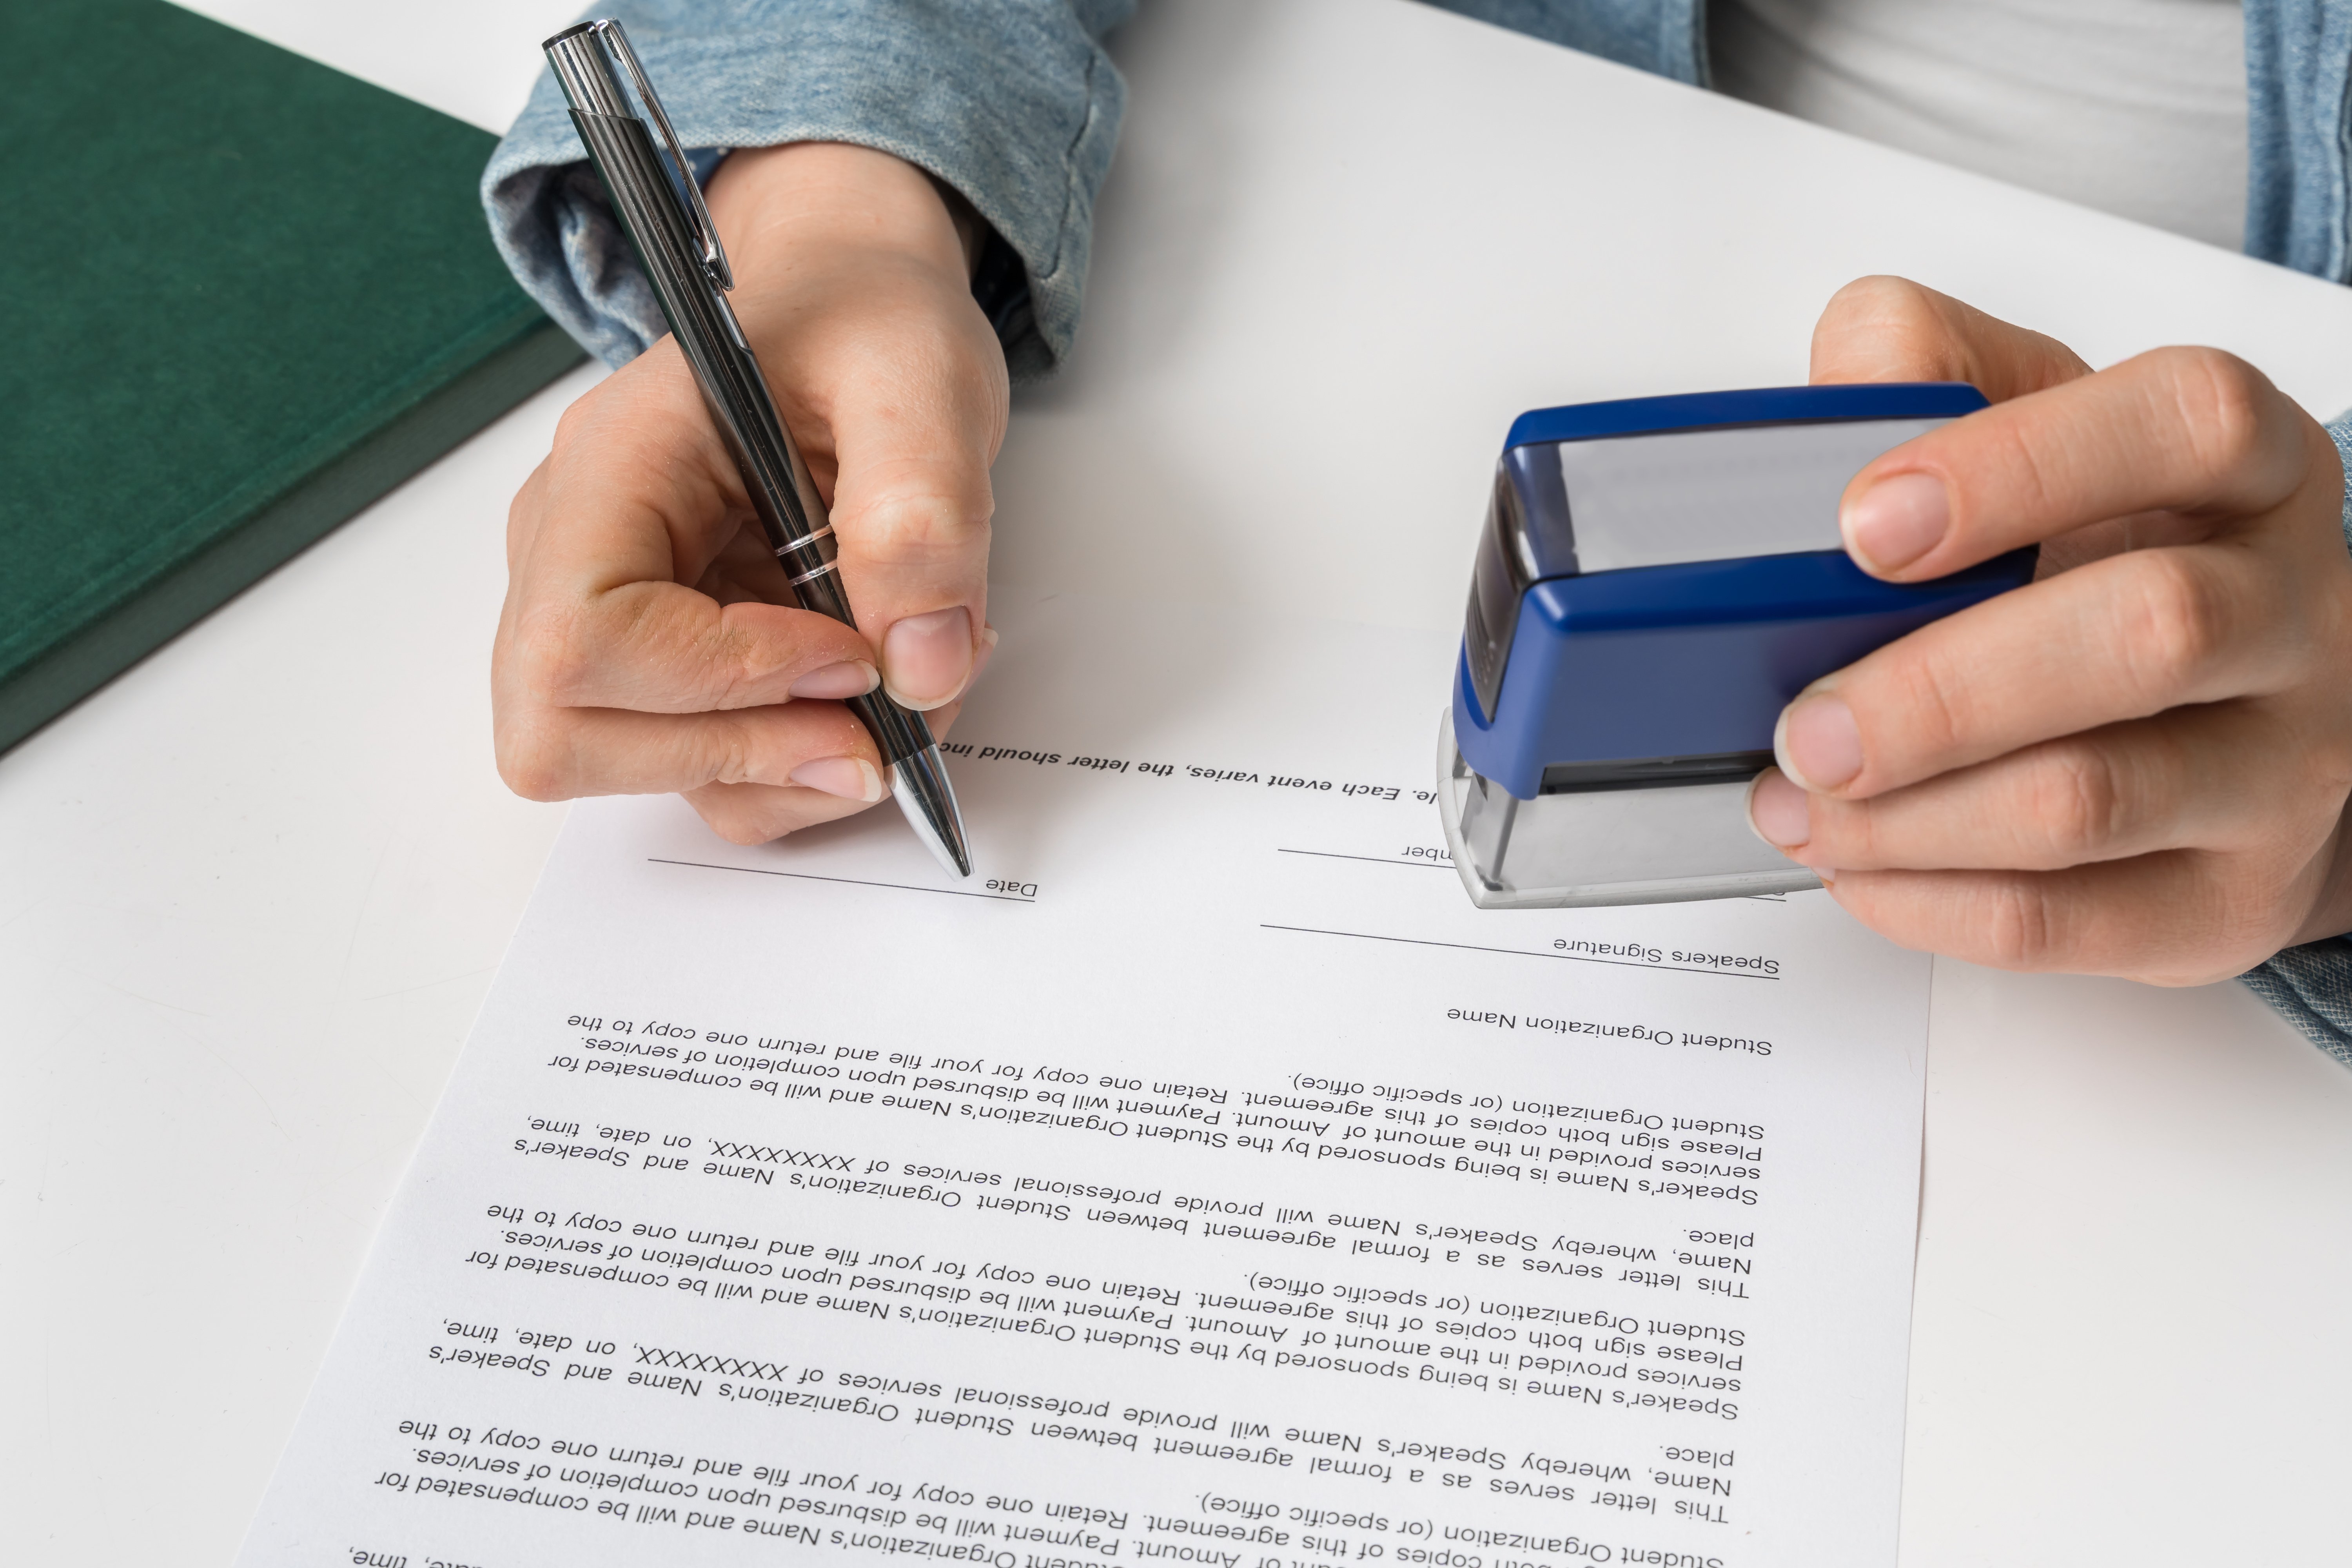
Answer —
714 255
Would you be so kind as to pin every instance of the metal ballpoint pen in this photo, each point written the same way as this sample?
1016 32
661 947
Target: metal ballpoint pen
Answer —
670 230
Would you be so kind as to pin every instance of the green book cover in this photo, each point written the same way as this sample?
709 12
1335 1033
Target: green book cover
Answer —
244 295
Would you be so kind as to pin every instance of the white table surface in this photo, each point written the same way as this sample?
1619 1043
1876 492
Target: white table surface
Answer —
252 892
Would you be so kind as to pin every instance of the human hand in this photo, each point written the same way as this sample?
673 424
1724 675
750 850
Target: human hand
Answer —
2138 764
648 642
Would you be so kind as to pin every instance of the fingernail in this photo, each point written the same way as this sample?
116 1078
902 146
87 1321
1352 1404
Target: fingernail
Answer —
851 778
850 678
926 660
1896 522
1778 811
1817 743
979 661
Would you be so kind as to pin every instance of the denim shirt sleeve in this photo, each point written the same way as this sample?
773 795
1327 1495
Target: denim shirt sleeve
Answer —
2311 985
1012 103
1666 38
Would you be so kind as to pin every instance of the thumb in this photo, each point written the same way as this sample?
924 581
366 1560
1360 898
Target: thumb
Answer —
854 285
899 396
910 515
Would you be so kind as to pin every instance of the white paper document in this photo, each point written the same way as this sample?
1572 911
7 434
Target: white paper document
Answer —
1204 1183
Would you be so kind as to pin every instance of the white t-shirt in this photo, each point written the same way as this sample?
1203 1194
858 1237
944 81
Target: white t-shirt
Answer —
2137 107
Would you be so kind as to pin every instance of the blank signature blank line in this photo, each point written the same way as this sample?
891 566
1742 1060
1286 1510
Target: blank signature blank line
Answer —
1375 859
853 881
1519 952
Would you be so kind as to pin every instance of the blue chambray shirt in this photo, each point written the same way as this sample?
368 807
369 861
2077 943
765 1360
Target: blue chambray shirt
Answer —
1015 104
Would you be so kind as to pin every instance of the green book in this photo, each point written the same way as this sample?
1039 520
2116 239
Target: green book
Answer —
243 296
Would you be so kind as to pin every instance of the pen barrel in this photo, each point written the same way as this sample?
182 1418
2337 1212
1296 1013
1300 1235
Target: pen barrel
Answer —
897 733
639 185
791 514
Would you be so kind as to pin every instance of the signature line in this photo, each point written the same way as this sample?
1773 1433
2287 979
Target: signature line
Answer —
853 881
1375 859
1518 952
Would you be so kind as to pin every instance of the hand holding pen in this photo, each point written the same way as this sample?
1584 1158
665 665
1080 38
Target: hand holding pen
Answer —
645 646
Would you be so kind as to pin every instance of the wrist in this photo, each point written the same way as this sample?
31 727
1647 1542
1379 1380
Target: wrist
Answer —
778 209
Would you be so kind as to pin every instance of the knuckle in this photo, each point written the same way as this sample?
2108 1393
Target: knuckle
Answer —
2221 401
733 751
728 663
534 760
573 426
2021 927
915 526
2076 803
524 508
2177 622
550 655
1932 694
714 655
2038 474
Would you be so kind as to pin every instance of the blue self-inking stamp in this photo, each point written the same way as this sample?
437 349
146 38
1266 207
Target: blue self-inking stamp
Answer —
1657 579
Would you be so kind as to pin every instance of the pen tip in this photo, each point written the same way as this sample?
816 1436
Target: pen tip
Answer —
921 785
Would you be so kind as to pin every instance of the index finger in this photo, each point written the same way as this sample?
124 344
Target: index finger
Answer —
1891 329
607 544
2193 431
